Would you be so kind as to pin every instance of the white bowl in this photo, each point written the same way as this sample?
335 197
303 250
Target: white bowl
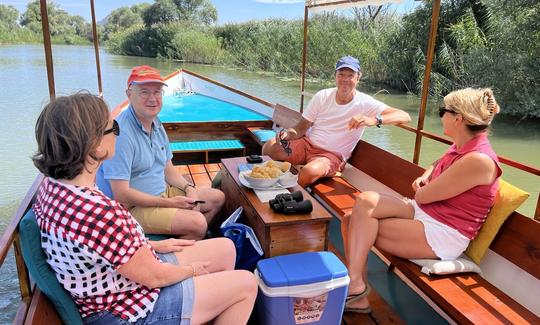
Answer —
288 179
260 182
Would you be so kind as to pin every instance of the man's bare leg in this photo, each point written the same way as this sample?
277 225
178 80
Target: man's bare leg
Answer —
274 150
313 170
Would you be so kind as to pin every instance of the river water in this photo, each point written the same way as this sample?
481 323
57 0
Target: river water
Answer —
24 91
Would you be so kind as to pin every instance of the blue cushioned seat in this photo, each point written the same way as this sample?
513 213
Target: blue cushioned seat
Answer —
206 145
264 135
41 272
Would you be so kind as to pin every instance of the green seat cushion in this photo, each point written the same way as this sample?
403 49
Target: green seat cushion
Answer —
41 272
156 237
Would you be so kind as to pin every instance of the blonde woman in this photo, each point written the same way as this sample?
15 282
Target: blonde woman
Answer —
98 250
452 198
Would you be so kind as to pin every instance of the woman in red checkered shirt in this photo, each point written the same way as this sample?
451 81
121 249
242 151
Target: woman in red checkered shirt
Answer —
99 252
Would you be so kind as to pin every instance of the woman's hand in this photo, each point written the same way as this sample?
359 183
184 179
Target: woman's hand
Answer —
170 245
419 182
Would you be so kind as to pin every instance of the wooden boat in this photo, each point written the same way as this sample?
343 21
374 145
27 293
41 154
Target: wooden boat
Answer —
506 293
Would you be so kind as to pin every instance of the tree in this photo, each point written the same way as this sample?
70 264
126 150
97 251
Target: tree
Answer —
123 18
166 11
8 16
161 12
60 22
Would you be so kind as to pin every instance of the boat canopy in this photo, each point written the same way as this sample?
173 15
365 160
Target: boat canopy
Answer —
327 5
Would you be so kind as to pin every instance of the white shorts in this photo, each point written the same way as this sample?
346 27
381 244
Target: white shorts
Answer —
445 241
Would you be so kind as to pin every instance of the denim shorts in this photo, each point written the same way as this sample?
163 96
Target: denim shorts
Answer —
173 306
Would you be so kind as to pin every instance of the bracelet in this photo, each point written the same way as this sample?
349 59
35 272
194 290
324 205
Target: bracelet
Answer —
193 269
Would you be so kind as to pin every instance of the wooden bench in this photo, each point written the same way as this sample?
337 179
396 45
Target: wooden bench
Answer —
466 298
283 117
179 147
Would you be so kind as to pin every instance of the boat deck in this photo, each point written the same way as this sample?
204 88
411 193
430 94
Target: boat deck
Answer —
199 174
203 174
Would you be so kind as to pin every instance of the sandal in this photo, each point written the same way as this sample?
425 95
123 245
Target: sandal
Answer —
353 298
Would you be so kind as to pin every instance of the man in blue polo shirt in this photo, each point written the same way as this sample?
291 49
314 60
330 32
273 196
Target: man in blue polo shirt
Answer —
141 173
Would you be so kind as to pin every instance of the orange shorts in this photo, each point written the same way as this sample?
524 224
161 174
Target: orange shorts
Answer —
303 151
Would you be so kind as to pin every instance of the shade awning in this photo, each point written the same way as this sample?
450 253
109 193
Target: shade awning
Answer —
324 5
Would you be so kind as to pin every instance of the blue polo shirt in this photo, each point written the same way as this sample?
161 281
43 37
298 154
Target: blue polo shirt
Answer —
140 157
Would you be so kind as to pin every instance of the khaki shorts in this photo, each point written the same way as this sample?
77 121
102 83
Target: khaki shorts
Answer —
156 220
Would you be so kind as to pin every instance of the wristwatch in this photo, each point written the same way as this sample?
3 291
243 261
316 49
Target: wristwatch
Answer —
379 120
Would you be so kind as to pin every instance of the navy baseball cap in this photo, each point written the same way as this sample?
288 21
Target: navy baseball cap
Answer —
348 62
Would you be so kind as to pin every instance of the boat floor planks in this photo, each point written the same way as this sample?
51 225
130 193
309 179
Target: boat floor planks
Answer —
199 174
382 313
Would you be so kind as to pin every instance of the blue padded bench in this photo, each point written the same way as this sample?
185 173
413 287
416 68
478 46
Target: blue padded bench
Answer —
283 117
261 135
207 146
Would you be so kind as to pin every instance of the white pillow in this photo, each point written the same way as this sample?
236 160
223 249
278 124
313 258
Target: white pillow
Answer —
460 265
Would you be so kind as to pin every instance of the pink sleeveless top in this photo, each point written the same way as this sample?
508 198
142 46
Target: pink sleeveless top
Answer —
465 212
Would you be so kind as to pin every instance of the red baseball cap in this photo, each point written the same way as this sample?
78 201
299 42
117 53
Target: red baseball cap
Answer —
144 74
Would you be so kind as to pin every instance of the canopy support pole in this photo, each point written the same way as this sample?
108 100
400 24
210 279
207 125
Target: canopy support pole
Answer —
304 59
427 74
47 47
96 48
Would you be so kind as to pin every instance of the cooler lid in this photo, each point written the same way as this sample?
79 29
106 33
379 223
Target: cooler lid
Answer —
301 268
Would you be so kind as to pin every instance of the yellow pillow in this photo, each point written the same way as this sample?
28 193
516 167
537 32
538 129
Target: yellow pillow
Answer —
507 200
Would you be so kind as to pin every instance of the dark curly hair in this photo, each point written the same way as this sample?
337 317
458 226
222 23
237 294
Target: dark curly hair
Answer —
68 131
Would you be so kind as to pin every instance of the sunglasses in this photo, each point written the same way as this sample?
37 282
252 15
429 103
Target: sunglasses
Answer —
284 143
115 129
443 110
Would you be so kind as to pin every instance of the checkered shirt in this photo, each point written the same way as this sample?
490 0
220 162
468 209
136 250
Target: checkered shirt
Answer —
87 237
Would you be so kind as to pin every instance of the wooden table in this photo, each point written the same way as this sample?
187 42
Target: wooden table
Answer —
279 234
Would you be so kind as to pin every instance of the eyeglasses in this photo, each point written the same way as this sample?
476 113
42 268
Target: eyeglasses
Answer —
443 110
145 94
284 143
114 130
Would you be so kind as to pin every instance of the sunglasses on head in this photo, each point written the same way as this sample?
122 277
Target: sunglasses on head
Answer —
115 129
443 110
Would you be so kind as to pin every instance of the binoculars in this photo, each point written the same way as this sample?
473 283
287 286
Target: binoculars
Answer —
291 203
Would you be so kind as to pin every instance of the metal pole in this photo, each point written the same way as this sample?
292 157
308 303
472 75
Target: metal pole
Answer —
47 46
427 74
304 58
96 48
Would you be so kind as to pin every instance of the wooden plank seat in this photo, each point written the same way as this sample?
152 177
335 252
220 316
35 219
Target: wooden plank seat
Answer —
465 298
207 146
283 117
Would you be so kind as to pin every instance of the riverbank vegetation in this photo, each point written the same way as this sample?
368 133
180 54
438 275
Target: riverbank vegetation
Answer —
480 43
26 27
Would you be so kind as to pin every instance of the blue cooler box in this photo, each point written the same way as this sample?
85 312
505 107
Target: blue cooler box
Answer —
304 288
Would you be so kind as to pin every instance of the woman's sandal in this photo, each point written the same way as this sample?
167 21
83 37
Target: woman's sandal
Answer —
353 298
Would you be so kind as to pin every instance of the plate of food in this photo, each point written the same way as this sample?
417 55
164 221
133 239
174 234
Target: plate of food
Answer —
269 175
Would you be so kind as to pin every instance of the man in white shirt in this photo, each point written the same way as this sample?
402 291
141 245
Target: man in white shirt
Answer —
332 124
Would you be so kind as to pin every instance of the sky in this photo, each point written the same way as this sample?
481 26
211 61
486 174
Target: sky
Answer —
228 10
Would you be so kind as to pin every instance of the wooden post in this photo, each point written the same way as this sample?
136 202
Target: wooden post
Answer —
47 46
427 74
537 212
96 48
304 58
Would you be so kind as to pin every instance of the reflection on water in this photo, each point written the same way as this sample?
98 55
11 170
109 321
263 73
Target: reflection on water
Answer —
24 92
